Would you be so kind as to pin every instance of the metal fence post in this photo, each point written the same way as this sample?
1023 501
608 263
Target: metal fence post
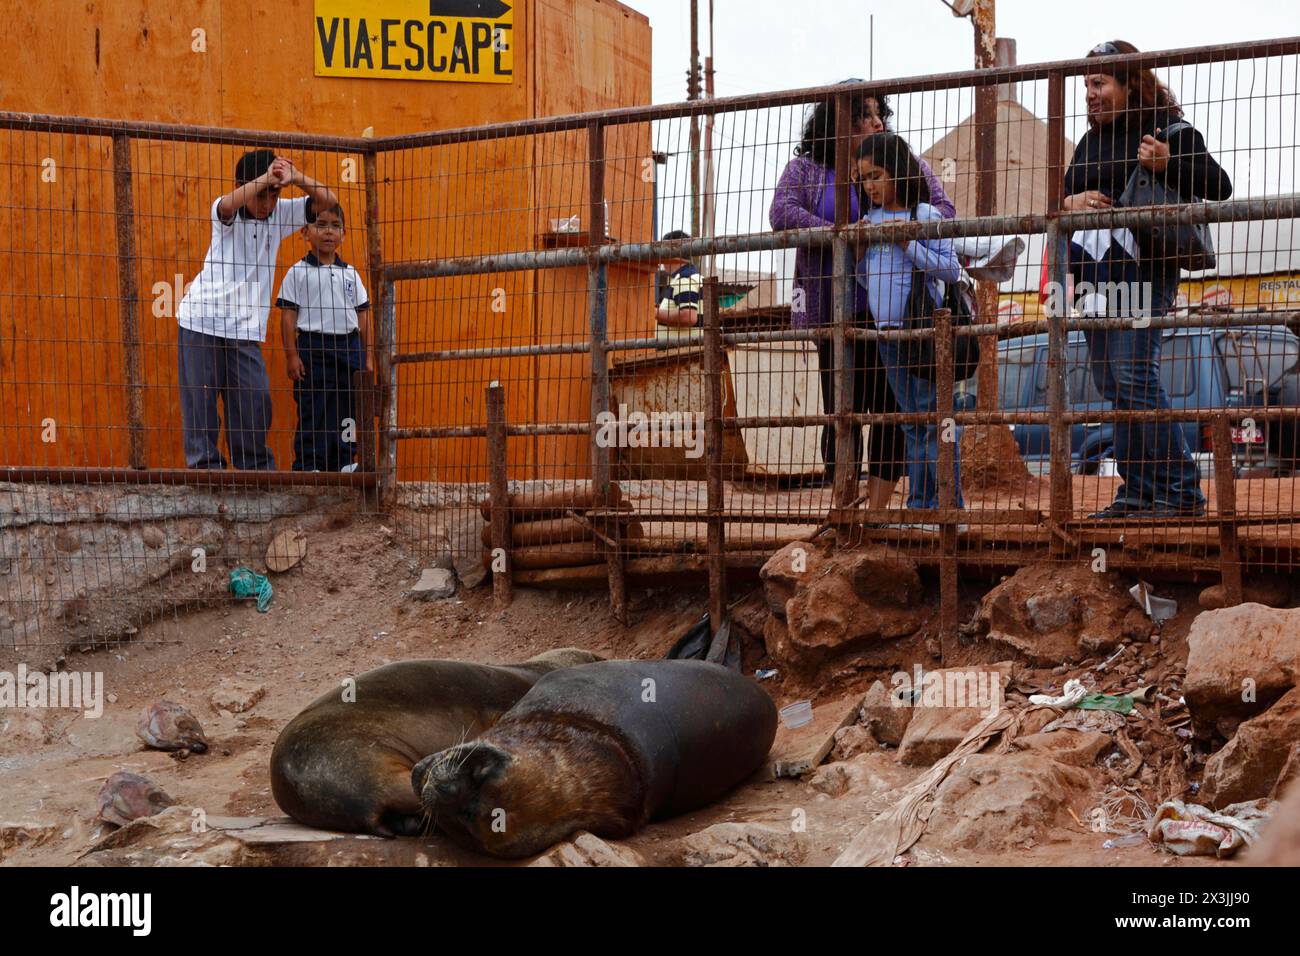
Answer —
598 321
845 487
129 300
369 448
1225 504
946 467
1059 455
386 347
498 472
713 446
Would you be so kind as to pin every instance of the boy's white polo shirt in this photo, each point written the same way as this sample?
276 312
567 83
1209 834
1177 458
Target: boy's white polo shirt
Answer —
326 296
231 296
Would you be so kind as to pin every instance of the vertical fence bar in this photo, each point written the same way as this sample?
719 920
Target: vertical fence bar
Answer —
713 446
375 249
845 488
386 349
502 533
946 466
1225 498
1055 140
1062 491
129 300
986 201
598 322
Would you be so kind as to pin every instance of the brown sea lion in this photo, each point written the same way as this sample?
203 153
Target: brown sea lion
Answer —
343 765
604 747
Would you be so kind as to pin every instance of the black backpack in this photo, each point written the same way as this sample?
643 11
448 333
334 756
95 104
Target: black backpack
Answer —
916 356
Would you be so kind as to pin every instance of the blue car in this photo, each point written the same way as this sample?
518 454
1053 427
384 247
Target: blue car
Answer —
1202 369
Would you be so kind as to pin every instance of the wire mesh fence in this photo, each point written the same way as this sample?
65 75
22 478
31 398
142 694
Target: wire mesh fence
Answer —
984 319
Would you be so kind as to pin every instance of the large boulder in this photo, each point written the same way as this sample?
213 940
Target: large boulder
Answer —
999 802
950 703
1240 660
850 600
1047 614
884 715
1251 763
787 570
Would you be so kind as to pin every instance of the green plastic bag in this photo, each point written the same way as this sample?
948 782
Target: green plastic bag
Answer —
1121 705
246 583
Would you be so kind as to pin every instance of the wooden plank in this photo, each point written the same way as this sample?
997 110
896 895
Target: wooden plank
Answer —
795 752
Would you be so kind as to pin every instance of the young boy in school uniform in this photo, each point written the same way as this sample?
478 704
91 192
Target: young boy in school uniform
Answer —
677 313
325 322
223 315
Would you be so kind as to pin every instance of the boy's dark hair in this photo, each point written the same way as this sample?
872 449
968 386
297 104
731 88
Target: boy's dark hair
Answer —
312 212
675 234
253 164
891 153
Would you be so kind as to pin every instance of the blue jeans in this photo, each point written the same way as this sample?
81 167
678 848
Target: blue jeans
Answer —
1152 457
232 370
922 441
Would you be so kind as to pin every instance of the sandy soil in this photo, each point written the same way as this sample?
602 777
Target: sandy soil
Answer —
343 611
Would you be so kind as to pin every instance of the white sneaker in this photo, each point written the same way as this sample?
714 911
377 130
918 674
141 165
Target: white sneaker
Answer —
349 468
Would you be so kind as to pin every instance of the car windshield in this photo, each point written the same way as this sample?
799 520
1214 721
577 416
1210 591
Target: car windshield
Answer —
1256 360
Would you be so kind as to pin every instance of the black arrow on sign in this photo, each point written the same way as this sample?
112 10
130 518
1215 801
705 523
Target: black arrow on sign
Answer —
478 9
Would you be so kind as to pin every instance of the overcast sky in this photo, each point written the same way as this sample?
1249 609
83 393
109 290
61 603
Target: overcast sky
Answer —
1246 111
766 44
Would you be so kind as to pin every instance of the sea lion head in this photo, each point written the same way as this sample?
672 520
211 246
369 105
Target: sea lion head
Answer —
514 795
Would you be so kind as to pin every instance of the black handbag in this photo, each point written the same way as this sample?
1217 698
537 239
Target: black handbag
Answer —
1189 247
916 356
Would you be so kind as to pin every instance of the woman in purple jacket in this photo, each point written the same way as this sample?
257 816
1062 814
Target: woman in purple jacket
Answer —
805 198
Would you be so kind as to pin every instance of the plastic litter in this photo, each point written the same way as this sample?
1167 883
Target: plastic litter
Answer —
765 674
1132 839
1190 829
247 583
1157 608
1121 705
797 714
1074 692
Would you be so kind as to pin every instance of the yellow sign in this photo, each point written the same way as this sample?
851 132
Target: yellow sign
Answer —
466 41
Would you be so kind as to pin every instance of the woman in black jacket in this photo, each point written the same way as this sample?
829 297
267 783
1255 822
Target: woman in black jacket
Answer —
1128 111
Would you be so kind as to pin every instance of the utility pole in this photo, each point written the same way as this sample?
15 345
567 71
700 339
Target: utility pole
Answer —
708 215
693 93
982 14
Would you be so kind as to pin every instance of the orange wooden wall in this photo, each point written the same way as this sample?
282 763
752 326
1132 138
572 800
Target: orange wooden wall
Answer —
60 354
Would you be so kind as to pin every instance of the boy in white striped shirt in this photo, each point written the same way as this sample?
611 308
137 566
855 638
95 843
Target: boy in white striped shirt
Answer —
325 321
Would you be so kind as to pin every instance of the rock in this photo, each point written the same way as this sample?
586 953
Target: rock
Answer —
152 537
434 583
884 716
868 775
461 529
1076 748
1249 766
786 570
1289 773
22 728
22 834
991 460
998 802
235 696
743 844
165 725
856 599
1279 840
286 549
586 849
1047 614
1271 590
1248 651
941 718
129 796
851 741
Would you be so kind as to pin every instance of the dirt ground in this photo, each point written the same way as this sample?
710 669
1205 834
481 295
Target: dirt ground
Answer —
342 611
